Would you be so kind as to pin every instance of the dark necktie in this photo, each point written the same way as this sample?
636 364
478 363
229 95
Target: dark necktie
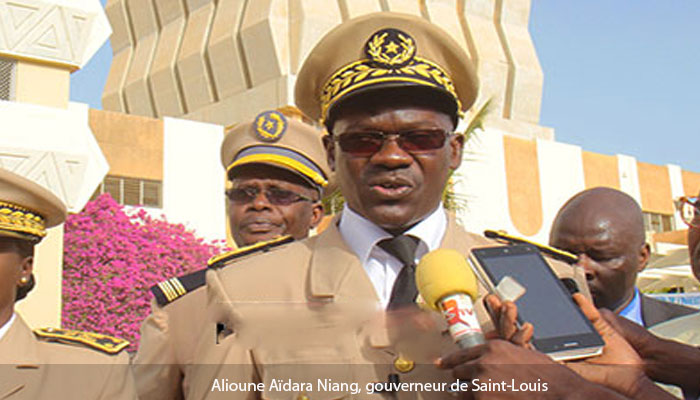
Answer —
403 248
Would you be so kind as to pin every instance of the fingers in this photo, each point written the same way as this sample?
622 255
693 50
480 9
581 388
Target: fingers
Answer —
493 306
508 323
460 357
629 330
466 371
593 315
523 336
591 372
587 307
612 320
505 317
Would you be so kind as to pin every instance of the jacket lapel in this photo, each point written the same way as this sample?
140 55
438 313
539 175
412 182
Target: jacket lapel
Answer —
335 271
458 239
20 360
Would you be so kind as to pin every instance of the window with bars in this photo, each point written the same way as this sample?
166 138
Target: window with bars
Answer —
655 222
132 191
7 78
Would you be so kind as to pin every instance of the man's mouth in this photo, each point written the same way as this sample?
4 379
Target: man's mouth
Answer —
391 189
260 226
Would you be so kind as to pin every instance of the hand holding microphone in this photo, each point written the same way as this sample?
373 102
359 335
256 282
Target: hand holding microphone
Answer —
448 286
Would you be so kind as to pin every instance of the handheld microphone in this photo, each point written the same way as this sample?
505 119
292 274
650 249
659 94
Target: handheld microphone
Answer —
448 286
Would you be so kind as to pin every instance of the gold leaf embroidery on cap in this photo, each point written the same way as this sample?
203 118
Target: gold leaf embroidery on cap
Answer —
21 220
390 41
390 58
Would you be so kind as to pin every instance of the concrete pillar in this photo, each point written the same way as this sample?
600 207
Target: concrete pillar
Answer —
44 137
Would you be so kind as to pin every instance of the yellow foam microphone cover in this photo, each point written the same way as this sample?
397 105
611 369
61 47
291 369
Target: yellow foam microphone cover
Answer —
443 272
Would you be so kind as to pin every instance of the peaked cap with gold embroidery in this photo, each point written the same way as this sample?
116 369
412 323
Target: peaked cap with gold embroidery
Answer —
26 208
384 50
275 139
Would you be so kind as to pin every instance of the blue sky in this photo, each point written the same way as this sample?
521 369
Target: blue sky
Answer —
620 76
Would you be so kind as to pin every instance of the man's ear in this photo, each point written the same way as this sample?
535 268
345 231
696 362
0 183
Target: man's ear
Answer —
317 213
644 255
329 144
456 150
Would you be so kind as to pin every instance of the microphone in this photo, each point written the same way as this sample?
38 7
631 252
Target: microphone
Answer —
448 285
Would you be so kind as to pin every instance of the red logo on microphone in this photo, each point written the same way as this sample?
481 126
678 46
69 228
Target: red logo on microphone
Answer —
454 314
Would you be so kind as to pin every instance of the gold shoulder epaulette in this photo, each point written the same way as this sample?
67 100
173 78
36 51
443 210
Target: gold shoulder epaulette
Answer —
553 252
223 259
104 343
172 289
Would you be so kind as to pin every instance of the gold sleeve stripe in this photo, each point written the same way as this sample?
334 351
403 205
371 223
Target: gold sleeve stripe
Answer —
167 290
178 286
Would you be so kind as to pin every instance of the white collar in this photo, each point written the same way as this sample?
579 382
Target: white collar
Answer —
6 327
362 235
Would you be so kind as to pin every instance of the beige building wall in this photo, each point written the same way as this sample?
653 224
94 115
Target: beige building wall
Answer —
600 170
133 145
122 43
224 61
523 182
165 81
42 83
691 183
655 188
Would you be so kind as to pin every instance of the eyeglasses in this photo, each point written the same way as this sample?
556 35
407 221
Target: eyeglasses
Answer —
689 207
364 144
274 195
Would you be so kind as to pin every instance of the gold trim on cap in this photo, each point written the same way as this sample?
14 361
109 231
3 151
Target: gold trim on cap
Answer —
361 73
390 58
282 161
18 219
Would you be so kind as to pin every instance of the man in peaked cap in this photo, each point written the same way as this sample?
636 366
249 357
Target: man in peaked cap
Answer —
46 363
278 172
277 175
390 89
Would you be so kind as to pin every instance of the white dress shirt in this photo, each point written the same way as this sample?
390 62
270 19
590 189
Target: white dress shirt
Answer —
6 327
362 237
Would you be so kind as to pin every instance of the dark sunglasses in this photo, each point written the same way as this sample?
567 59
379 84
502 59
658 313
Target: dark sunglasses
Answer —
274 195
413 141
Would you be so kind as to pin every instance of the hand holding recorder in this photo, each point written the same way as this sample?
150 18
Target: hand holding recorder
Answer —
448 285
561 330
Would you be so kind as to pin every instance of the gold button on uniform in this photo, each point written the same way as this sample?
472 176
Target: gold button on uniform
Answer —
403 365
303 397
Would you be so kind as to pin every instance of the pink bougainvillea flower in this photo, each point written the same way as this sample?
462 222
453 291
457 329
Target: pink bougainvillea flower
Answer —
110 260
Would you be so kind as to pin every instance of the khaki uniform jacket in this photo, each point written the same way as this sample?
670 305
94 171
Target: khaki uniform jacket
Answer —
31 368
308 311
166 350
